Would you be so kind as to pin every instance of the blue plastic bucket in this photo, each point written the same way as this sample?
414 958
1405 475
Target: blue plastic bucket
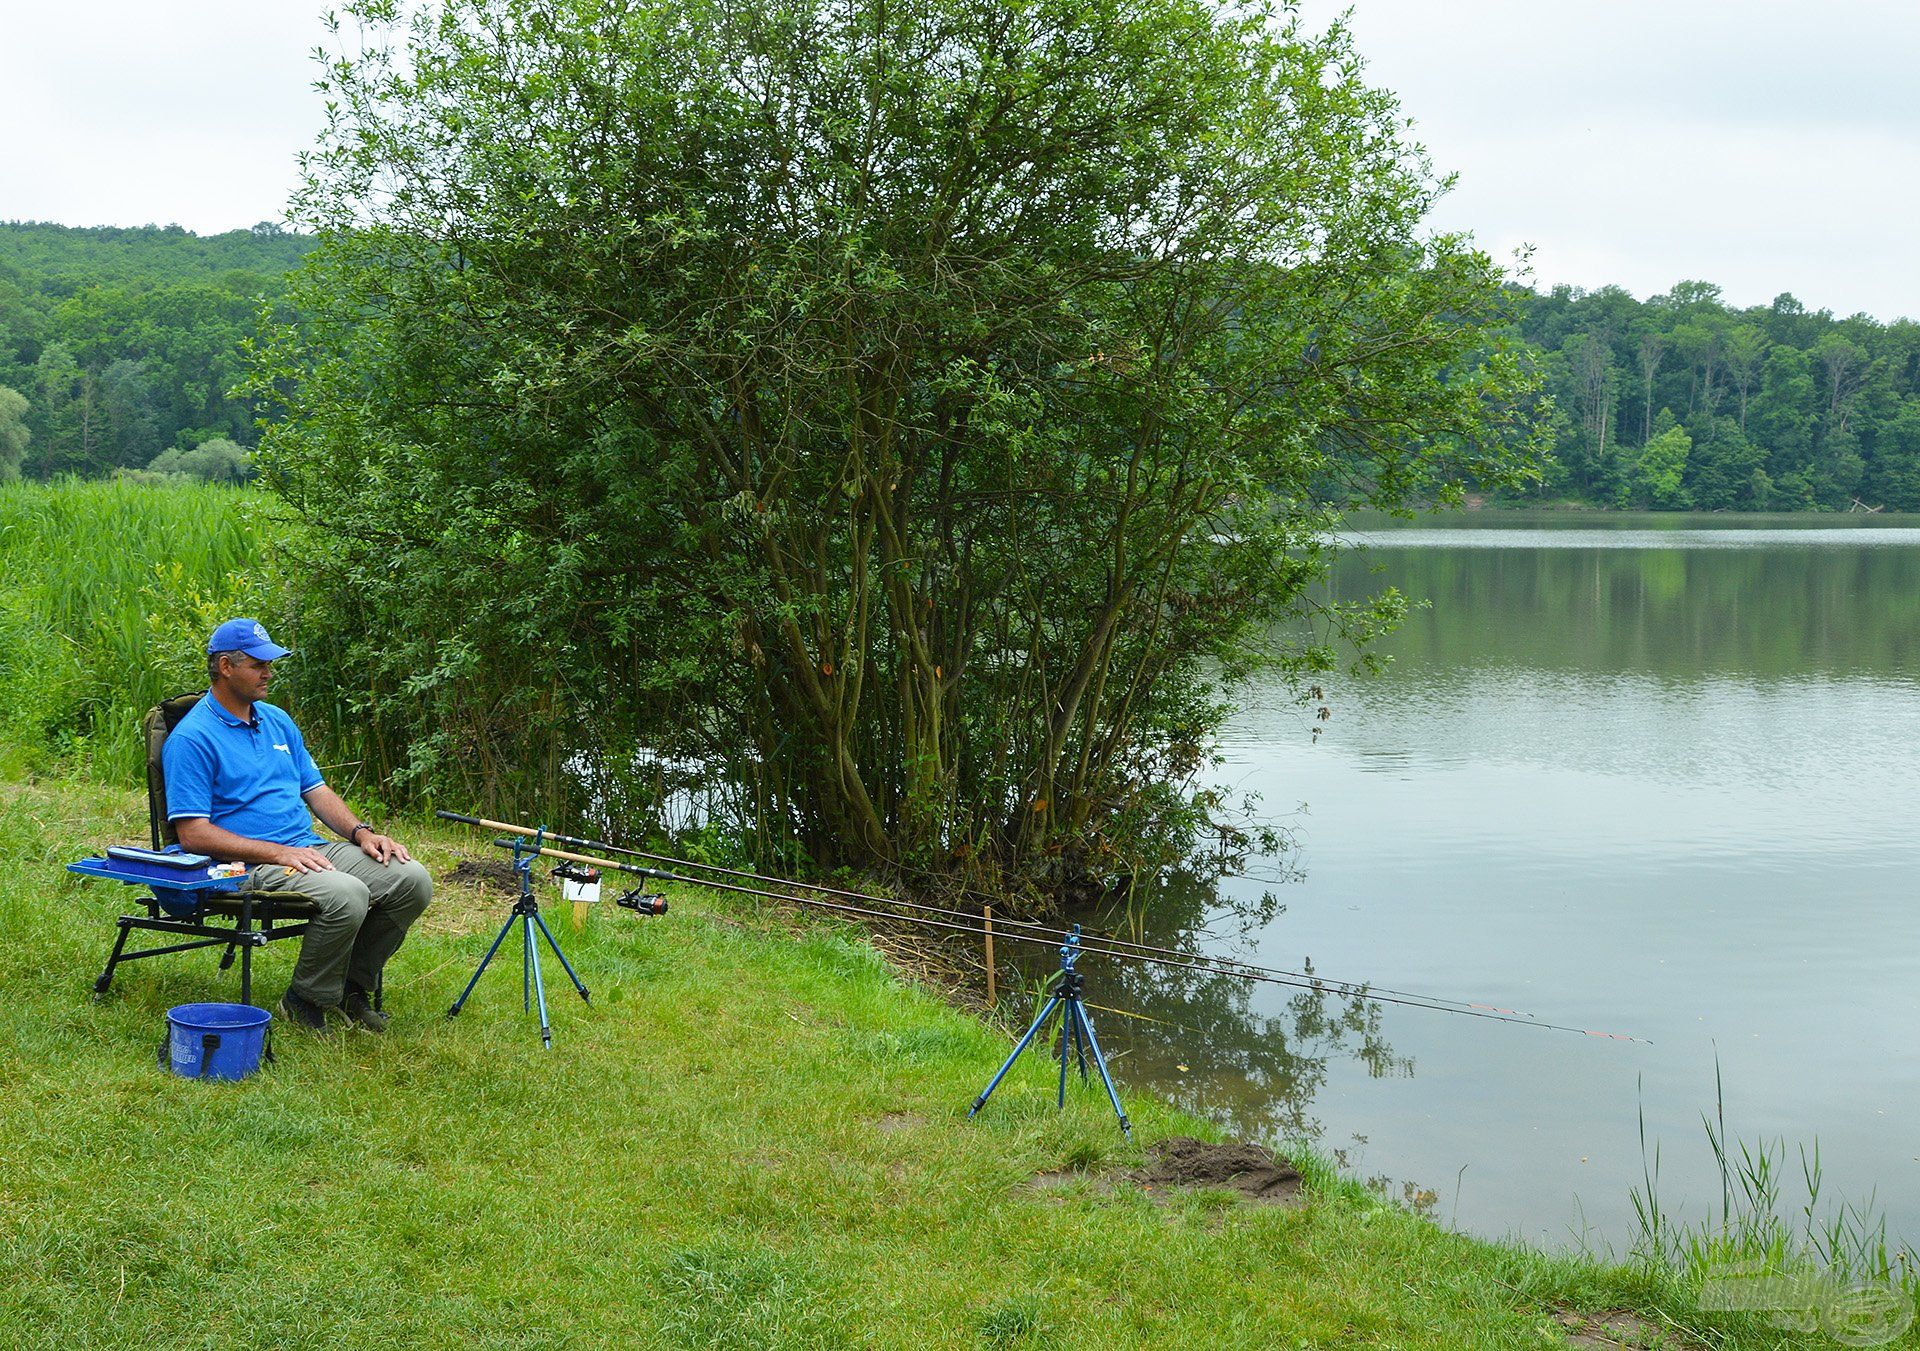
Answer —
215 1041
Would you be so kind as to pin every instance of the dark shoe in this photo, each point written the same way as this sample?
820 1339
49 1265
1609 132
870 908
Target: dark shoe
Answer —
302 1013
358 1006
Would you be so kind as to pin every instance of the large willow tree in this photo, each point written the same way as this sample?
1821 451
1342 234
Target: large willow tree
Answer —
898 422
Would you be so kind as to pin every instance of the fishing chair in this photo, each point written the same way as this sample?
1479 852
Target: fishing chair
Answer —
236 920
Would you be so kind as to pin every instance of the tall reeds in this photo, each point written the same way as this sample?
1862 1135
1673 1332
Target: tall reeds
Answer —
1761 1229
107 592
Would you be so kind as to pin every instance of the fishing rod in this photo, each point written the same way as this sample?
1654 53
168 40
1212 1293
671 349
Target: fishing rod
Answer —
1050 935
1160 957
1312 983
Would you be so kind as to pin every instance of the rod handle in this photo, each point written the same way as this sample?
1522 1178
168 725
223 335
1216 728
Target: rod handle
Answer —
482 821
611 864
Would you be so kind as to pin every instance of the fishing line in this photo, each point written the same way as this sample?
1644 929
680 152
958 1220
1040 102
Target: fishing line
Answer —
1226 966
977 929
1313 984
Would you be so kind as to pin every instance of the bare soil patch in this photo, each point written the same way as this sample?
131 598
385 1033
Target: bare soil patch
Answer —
490 874
1617 1330
1182 1163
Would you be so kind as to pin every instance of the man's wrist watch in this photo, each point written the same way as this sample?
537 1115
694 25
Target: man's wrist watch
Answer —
353 836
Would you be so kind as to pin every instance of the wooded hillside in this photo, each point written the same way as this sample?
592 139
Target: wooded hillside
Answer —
124 344
1685 401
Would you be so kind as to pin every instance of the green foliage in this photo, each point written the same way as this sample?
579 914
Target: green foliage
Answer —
71 259
145 327
107 594
912 419
1895 473
215 461
1786 409
127 342
1726 471
1653 474
14 434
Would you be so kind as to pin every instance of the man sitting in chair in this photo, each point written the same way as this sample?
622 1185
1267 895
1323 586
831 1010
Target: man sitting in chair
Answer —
241 787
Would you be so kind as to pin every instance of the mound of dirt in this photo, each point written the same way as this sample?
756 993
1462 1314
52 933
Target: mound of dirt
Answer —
488 874
1250 1170
1617 1330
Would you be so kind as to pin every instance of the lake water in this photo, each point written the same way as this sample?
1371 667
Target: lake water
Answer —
1645 775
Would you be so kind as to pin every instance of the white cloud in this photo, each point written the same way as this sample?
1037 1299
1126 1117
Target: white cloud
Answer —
1769 147
123 113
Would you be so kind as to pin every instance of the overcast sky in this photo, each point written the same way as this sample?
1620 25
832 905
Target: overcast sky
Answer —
1766 146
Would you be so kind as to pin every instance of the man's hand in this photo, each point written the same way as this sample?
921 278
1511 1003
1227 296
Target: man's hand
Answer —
383 848
304 859
324 803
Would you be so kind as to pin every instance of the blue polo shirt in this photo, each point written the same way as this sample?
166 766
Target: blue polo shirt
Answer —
246 777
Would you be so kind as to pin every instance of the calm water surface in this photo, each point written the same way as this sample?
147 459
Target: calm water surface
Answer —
1654 777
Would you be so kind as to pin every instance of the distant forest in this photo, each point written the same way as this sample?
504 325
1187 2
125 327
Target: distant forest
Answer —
118 346
1682 401
118 349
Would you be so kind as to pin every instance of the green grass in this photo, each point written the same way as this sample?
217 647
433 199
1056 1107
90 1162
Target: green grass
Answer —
754 1137
107 593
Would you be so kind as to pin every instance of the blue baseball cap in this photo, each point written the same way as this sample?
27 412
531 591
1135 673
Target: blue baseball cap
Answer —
248 636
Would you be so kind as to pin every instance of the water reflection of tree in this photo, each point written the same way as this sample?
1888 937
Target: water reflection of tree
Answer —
1175 909
1253 1073
1749 612
1196 1035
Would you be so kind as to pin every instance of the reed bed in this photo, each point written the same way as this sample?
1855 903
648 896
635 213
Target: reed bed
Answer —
107 592
1804 1257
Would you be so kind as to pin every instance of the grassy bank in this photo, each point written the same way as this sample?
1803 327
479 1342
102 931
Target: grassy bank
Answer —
754 1137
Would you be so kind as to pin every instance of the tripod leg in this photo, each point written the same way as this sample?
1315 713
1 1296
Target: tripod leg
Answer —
1038 1023
527 960
1070 1036
540 990
477 971
564 964
1068 1031
1100 1062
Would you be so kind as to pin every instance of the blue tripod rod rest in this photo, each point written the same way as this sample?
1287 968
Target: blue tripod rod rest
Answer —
1076 1032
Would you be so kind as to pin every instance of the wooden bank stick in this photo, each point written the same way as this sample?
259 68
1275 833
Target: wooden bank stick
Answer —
987 911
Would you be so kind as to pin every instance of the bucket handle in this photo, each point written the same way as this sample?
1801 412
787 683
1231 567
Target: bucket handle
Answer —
209 1043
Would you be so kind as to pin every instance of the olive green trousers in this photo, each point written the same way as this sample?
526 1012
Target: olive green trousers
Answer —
362 910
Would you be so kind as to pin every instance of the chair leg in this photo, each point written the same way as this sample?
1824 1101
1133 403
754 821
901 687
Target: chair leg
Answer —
106 977
245 932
